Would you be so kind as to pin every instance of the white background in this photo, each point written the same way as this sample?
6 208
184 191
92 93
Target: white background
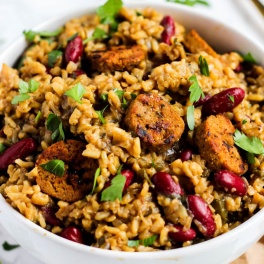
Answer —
19 15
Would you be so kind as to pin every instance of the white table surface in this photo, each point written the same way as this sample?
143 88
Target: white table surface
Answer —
19 15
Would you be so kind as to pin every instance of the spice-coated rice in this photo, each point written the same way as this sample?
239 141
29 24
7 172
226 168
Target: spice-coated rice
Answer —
142 212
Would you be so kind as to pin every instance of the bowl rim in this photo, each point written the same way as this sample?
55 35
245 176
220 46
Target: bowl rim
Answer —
178 252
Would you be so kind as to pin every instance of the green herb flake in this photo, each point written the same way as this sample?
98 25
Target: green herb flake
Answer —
37 117
54 124
24 89
30 34
190 117
104 97
53 56
2 148
100 114
250 158
20 98
190 2
195 89
252 145
6 246
97 173
107 13
244 121
55 166
72 37
76 92
114 191
231 97
203 65
145 242
133 243
249 58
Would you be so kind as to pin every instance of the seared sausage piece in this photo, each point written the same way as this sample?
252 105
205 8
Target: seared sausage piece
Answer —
195 44
120 58
79 171
154 121
214 138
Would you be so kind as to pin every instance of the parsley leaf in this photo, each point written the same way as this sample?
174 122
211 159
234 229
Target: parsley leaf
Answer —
76 92
190 2
55 166
53 56
6 246
249 58
97 34
252 145
203 65
100 114
54 124
24 89
146 242
30 34
108 11
195 89
190 117
244 121
97 173
114 191
2 148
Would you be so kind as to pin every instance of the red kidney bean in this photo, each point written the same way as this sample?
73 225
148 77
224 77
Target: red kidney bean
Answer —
181 235
202 214
49 215
239 68
164 184
186 154
169 29
19 150
72 233
224 101
73 50
230 182
201 100
77 73
129 174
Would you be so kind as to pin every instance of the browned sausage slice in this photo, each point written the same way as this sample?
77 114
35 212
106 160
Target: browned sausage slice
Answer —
195 44
214 138
79 171
154 121
118 58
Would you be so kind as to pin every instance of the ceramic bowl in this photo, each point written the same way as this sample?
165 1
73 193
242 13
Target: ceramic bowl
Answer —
52 249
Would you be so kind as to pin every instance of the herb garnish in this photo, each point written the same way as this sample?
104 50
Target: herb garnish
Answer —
6 246
76 92
231 97
2 148
53 56
114 191
24 89
244 121
97 34
195 94
249 58
97 173
30 35
251 145
190 2
100 114
145 242
190 117
55 166
54 124
120 94
203 65
37 117
107 13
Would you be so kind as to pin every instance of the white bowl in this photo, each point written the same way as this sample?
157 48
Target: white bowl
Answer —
52 249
